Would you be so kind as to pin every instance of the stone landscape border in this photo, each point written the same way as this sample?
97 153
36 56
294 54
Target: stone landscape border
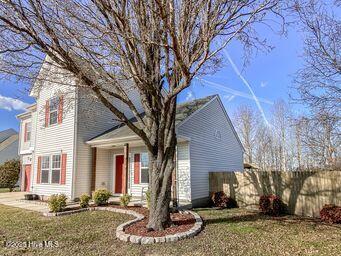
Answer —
120 234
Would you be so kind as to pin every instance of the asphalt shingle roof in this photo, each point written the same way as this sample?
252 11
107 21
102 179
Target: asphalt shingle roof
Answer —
183 111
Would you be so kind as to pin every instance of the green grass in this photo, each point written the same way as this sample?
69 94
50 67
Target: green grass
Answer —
3 190
226 232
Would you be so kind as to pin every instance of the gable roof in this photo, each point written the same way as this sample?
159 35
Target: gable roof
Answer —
183 111
4 135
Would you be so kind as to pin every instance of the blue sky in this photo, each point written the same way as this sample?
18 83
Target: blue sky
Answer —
269 74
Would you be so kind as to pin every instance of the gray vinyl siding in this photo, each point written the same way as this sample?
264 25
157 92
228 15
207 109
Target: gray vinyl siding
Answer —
57 138
207 152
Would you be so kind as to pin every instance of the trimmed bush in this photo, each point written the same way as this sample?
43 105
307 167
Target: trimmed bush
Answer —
9 174
57 203
101 196
125 200
221 200
271 205
331 213
148 198
84 200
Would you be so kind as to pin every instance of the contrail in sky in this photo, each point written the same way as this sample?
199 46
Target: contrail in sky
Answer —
232 91
236 70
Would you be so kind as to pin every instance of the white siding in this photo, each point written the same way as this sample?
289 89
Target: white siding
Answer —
103 169
183 172
57 138
93 118
207 152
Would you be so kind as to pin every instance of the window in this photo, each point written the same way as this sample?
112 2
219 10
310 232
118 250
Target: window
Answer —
55 169
45 169
144 168
28 132
54 102
51 169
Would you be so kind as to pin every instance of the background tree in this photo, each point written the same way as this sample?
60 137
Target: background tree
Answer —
245 122
9 174
159 46
318 82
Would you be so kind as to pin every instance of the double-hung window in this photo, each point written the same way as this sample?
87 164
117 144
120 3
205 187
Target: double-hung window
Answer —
28 131
54 103
45 169
51 169
144 168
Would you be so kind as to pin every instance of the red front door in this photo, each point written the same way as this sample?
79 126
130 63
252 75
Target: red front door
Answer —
27 169
119 174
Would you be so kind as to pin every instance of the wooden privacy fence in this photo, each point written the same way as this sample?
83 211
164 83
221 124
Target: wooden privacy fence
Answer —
304 192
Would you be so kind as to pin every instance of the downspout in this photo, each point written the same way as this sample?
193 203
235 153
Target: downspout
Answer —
73 183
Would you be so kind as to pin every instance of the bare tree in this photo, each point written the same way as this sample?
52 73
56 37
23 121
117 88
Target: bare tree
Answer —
159 46
318 82
245 122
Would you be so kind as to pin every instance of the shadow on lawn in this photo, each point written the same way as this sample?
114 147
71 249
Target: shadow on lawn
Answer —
256 216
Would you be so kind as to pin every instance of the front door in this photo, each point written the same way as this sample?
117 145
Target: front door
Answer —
27 169
119 174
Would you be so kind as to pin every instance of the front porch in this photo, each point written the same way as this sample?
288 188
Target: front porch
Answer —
120 165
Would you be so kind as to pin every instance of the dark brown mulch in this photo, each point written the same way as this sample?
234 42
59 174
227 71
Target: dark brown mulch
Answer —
180 223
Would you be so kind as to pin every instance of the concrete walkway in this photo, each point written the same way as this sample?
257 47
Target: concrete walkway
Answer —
14 199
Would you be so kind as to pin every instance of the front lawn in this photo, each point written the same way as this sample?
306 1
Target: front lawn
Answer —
232 232
3 190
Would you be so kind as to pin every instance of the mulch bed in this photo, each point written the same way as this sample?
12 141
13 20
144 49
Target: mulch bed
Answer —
181 223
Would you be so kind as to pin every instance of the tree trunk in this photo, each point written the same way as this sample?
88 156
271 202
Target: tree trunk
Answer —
160 187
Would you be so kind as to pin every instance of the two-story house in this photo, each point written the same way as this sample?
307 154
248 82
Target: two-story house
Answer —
70 143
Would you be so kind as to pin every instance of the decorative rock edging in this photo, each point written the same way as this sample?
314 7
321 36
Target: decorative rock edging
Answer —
54 214
120 234
31 202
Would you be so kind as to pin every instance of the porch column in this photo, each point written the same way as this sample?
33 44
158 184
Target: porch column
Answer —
125 168
93 169
174 182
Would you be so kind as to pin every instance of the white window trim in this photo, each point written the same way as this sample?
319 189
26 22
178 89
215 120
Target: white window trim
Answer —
50 169
143 183
56 110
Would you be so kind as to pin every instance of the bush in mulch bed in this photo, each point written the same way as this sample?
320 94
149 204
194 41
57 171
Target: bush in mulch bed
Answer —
271 205
57 203
221 200
331 214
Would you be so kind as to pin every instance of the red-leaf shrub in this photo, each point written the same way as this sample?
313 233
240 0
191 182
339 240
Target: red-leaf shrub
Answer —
220 199
331 213
271 205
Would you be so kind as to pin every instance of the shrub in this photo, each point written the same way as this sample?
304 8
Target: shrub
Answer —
220 199
148 198
125 199
331 214
84 200
101 196
57 203
9 174
271 205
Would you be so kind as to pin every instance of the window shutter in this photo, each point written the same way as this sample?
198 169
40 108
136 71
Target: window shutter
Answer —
137 169
47 113
63 170
60 109
25 132
38 169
